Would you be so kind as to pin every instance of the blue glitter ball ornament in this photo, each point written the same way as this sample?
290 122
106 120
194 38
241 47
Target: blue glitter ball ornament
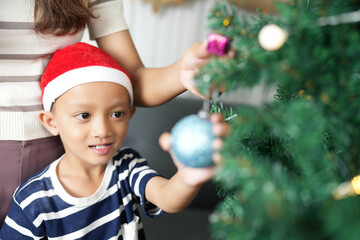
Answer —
191 141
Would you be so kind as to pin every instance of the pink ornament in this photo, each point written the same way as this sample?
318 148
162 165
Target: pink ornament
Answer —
218 44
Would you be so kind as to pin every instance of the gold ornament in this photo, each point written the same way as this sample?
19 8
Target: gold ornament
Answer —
272 37
227 21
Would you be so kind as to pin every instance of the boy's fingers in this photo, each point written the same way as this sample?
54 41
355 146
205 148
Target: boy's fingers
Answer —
165 141
217 158
217 144
216 117
221 129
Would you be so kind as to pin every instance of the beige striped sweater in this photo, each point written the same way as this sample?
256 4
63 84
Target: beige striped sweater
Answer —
24 56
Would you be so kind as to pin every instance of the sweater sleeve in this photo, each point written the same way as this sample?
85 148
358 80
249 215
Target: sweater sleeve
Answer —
109 18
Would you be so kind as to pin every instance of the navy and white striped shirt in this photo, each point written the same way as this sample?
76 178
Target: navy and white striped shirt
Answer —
42 209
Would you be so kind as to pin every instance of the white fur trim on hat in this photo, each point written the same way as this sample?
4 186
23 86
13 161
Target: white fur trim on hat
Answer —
75 77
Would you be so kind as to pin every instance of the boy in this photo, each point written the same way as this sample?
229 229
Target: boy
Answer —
91 192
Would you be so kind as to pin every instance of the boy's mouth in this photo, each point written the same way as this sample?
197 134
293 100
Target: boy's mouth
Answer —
100 146
101 149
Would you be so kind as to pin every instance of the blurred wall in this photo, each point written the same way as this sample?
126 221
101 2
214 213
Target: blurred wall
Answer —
161 38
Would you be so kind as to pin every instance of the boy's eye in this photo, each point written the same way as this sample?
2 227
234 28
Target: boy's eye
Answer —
118 114
83 116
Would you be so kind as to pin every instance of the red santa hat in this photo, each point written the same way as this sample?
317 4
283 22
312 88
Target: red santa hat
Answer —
78 64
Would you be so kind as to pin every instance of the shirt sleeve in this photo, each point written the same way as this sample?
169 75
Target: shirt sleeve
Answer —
109 18
140 174
17 225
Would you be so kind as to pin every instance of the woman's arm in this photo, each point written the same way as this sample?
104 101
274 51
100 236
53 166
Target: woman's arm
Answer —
154 86
263 5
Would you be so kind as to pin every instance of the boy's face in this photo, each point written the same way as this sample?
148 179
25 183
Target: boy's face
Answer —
92 120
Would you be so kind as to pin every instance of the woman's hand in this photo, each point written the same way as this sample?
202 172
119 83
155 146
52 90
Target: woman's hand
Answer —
193 59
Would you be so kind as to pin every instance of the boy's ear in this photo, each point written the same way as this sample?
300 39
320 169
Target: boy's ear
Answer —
132 111
48 120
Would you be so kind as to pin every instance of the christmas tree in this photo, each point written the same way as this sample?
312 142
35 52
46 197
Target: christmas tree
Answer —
291 167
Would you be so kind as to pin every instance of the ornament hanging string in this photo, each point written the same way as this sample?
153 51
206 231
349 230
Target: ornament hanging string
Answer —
215 98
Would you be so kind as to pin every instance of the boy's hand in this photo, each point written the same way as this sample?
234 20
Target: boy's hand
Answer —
194 58
198 176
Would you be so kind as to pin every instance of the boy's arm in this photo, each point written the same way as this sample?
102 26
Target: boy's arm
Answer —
175 194
178 192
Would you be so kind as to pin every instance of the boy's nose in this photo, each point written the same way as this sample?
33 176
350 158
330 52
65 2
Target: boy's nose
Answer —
101 128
